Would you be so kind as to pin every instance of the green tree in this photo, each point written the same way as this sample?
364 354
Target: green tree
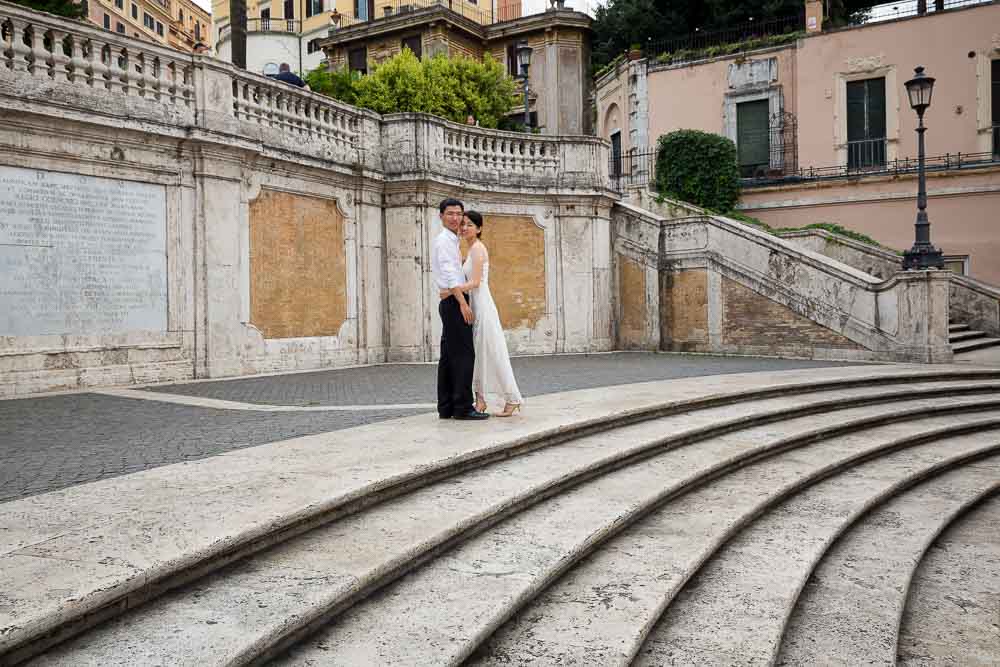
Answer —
453 88
74 9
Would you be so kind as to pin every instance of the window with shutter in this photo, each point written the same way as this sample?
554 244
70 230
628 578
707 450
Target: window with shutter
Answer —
752 145
357 60
866 123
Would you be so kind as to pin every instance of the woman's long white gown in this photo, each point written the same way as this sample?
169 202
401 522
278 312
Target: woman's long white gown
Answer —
492 378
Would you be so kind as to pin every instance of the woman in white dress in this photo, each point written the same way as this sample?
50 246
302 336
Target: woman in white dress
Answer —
493 378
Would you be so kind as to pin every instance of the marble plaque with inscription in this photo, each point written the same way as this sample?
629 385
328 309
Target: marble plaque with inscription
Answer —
80 254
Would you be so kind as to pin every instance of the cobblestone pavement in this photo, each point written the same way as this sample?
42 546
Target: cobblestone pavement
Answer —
52 442
415 383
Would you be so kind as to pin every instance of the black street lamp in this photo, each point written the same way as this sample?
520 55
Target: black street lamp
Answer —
922 255
523 63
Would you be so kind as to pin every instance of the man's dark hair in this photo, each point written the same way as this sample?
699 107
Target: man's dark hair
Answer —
445 203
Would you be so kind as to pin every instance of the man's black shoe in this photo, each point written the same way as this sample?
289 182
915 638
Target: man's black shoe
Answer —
441 416
474 414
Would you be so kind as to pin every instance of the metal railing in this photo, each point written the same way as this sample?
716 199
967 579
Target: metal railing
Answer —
691 45
996 141
896 167
866 153
637 168
897 10
292 26
387 9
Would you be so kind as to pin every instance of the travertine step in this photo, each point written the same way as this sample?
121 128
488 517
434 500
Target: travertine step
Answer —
440 613
854 600
410 528
128 539
957 326
601 612
953 610
976 344
959 336
739 602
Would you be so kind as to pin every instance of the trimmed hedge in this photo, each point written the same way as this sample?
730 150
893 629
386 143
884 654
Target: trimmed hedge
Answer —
699 168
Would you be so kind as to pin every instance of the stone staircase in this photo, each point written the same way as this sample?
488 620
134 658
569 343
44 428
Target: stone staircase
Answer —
964 339
800 517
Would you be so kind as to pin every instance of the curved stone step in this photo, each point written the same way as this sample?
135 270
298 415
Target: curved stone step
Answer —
363 574
738 603
854 599
416 526
75 557
957 326
440 613
968 334
976 344
952 613
602 611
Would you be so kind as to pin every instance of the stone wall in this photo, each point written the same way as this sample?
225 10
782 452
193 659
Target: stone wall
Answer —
724 287
230 224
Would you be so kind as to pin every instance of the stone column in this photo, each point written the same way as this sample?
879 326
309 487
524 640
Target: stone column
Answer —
922 298
814 16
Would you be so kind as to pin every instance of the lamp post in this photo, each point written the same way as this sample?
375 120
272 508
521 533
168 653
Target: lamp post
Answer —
523 63
922 255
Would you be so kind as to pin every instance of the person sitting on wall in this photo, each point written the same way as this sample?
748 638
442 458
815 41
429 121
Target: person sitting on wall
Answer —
286 74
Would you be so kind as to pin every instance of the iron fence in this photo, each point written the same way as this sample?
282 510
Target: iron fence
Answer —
265 24
896 167
636 168
866 153
700 40
897 10
365 11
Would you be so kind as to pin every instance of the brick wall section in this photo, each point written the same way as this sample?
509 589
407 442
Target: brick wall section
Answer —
298 268
752 319
632 300
517 268
684 309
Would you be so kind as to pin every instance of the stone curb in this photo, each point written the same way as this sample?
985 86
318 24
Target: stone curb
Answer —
22 640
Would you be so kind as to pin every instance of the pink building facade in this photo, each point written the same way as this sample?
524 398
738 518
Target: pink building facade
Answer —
825 132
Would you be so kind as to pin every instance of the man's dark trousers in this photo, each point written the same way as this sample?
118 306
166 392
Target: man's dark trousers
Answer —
458 358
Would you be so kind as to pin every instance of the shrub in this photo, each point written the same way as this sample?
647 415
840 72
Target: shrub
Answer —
453 88
699 168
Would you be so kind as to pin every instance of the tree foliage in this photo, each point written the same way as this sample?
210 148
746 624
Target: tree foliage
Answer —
621 24
74 9
453 88
699 168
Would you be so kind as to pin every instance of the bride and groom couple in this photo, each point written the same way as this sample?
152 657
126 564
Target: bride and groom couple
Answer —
474 354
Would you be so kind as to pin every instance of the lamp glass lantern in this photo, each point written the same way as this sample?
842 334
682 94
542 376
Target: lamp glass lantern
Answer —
919 90
523 57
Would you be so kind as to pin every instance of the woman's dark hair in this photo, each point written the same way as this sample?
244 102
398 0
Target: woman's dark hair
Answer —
476 218
445 203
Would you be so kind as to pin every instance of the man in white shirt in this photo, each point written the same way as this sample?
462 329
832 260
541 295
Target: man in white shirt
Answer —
458 354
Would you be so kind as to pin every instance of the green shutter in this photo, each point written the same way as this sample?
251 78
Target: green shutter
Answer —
857 126
752 136
995 77
876 108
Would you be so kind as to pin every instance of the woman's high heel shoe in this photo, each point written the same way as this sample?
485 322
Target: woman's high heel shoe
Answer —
509 410
480 405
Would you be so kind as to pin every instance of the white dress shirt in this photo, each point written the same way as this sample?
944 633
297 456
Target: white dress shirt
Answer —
446 260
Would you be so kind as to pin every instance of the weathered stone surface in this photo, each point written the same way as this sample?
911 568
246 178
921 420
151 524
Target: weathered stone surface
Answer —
684 297
298 272
517 268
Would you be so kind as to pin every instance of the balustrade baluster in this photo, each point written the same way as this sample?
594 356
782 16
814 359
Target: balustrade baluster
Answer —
115 72
187 84
171 74
38 57
20 51
78 64
60 59
131 78
97 70
162 82
149 75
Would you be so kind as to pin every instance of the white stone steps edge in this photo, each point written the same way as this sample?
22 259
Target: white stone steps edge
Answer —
314 622
820 475
893 492
21 643
946 520
941 528
971 546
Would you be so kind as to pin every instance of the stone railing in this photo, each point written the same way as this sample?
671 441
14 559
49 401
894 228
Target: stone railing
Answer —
420 143
294 116
972 302
41 52
902 318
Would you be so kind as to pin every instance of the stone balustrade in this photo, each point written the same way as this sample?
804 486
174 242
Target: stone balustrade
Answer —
53 50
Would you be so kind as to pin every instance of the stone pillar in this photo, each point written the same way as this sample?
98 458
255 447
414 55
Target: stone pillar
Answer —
814 16
922 298
372 293
407 265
